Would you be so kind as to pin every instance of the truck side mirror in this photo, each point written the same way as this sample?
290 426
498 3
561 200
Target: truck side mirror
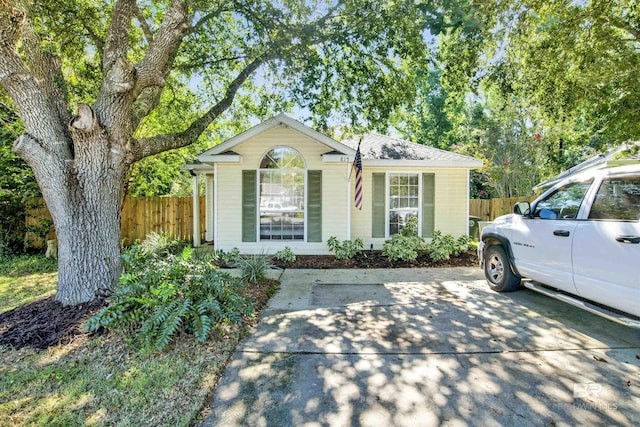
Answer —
522 208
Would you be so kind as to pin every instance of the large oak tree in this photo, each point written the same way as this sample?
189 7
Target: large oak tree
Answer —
83 76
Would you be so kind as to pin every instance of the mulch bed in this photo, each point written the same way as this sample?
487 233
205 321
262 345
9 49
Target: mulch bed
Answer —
46 322
375 259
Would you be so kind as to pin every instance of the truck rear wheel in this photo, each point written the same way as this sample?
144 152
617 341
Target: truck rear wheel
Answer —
497 270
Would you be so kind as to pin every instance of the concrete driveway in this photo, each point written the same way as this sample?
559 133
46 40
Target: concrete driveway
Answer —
424 347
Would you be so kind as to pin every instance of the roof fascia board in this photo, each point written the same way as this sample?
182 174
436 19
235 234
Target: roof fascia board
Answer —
423 163
198 167
220 158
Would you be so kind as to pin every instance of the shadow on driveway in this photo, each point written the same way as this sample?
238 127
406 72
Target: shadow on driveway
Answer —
422 347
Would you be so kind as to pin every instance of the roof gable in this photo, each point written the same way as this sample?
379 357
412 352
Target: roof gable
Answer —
279 120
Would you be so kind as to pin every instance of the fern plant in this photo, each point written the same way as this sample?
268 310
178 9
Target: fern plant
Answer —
172 295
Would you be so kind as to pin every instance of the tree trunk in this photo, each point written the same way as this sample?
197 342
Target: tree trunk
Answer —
84 195
88 246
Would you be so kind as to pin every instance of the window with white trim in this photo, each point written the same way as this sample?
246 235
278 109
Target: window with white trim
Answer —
282 195
404 200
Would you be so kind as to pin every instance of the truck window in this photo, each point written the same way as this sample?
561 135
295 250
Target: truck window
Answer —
564 203
618 198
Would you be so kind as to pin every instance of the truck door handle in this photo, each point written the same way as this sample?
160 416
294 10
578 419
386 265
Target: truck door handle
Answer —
628 239
561 233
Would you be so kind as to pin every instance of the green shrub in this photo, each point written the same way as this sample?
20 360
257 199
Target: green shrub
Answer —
462 245
442 247
346 249
405 245
161 244
232 257
285 255
253 267
155 300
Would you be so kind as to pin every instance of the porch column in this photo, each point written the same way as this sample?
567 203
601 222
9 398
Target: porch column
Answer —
196 211
209 203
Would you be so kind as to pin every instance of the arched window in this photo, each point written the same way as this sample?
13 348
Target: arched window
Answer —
282 195
282 158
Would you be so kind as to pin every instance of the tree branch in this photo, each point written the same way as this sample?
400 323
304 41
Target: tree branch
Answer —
117 41
35 108
157 144
95 38
47 70
146 29
195 65
620 24
208 16
153 69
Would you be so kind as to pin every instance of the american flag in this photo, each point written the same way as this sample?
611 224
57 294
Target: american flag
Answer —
357 163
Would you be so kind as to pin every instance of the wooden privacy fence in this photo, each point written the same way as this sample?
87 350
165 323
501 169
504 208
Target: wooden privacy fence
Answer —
140 216
174 216
490 209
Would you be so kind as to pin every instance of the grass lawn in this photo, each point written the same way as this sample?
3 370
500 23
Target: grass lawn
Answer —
24 279
100 380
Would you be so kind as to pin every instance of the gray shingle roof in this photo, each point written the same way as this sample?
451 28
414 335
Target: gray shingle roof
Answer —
380 147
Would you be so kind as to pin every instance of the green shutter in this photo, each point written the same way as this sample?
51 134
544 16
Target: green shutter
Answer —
378 228
428 204
314 206
249 209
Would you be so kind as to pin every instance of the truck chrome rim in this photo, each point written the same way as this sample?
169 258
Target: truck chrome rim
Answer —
496 269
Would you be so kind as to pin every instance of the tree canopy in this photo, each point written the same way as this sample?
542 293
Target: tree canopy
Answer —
533 88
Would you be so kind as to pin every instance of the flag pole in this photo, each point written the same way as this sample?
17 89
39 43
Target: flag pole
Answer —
357 164
353 165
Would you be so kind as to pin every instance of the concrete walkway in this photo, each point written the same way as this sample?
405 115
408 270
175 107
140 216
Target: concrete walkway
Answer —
425 347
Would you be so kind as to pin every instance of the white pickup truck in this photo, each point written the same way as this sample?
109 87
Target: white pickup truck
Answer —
578 242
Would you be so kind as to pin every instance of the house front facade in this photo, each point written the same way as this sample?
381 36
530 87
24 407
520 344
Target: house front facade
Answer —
282 184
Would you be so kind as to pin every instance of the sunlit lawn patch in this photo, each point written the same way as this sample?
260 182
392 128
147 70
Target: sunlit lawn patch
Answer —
103 381
24 279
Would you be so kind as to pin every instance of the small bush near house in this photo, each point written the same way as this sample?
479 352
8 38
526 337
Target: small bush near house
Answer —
231 257
285 255
346 249
406 244
161 295
443 246
462 245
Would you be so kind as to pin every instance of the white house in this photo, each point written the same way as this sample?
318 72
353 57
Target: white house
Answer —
282 183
